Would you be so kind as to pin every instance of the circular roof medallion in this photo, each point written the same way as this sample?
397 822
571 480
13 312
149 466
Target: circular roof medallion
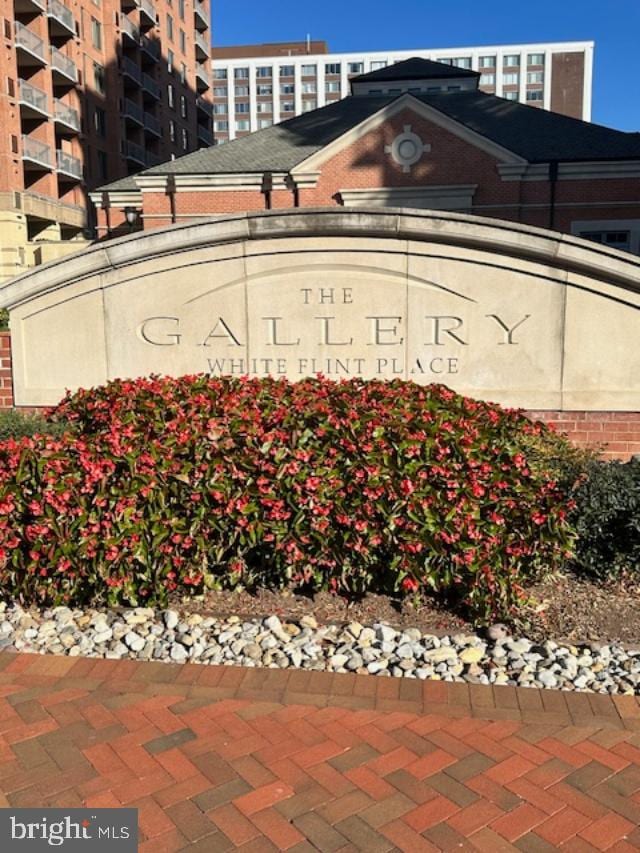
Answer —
407 148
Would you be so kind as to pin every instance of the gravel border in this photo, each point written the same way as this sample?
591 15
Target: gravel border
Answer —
167 635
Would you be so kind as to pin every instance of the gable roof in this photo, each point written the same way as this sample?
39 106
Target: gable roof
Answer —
415 68
534 134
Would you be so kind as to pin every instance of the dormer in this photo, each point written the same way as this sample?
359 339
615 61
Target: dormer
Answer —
417 76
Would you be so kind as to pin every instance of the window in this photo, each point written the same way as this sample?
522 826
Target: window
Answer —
510 79
185 139
102 165
287 107
265 107
376 64
183 73
241 73
535 77
613 239
170 27
100 122
183 41
265 89
535 59
394 91
172 130
332 86
264 122
219 91
487 62
309 70
307 106
221 125
534 95
96 33
453 88
510 96
242 108
511 60
264 71
181 9
170 96
287 70
183 106
446 61
356 67
171 61
99 78
242 91
287 88
242 125
309 88
219 73
332 68
219 109
463 62
487 79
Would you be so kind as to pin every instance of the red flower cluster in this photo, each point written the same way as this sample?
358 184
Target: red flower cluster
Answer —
166 485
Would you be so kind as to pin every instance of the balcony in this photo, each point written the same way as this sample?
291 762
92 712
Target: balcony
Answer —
131 70
152 125
30 48
29 7
205 135
202 78
205 106
147 13
129 29
201 15
63 69
150 86
36 155
135 152
61 19
34 103
203 48
68 166
132 111
65 117
152 159
150 48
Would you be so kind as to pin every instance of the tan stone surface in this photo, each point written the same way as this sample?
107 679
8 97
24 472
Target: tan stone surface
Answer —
505 312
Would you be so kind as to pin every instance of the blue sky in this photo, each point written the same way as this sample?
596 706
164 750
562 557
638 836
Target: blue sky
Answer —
348 25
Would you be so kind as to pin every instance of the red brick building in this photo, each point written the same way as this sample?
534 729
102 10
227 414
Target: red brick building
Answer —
417 134
91 92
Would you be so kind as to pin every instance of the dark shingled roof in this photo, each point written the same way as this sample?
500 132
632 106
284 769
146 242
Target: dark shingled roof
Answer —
415 68
536 135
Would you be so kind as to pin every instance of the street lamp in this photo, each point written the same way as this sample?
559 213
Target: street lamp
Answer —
131 215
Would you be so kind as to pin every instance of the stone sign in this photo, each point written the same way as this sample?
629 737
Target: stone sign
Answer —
505 312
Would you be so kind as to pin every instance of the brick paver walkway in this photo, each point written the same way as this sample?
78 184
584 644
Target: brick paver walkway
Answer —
223 758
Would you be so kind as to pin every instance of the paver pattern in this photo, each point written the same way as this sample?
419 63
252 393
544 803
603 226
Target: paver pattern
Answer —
224 758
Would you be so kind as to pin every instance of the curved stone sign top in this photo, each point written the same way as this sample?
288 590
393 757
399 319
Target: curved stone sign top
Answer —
520 315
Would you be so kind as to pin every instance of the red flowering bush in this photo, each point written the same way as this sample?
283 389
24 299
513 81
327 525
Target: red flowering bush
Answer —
174 485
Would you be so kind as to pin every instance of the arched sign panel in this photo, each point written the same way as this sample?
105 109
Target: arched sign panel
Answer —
496 310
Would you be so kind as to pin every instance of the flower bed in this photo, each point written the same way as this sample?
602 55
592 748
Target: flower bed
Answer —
172 485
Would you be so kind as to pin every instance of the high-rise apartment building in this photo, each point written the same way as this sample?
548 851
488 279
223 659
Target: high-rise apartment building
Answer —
255 86
92 90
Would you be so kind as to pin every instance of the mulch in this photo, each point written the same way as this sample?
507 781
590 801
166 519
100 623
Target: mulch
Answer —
563 607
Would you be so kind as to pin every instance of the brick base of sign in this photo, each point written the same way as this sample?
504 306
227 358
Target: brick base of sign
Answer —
616 433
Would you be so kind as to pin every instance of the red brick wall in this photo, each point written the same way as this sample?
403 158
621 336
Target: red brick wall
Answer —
6 382
617 432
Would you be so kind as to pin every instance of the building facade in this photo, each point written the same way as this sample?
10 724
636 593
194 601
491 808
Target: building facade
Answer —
417 134
255 86
92 90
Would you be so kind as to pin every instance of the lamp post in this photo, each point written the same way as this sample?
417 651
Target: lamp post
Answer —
131 215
